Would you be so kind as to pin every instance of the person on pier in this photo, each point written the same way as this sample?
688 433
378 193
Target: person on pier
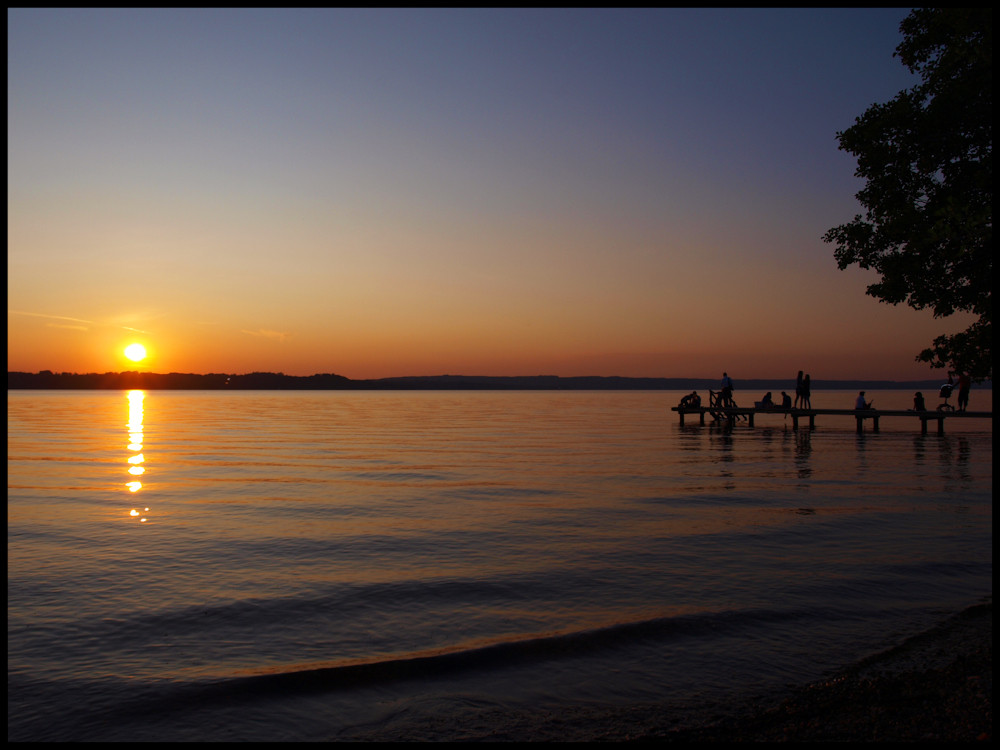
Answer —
860 403
964 383
690 401
727 390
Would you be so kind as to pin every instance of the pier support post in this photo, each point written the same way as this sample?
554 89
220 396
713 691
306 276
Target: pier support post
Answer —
728 416
940 424
861 421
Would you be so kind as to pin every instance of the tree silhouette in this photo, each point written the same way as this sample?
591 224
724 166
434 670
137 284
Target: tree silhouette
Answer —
927 157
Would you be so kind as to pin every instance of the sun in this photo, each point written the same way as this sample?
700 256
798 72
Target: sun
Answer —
135 352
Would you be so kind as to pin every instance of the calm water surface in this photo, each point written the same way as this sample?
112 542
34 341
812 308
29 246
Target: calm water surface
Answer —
414 565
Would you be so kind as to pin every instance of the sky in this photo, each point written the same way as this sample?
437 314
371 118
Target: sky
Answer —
389 192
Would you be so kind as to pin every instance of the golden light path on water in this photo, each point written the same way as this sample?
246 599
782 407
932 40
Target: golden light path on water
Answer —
136 459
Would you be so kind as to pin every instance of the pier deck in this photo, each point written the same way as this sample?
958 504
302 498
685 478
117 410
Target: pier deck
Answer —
731 415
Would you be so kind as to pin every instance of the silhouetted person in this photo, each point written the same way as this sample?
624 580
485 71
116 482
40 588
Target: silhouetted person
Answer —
860 403
918 402
964 383
806 393
692 400
798 389
727 390
767 402
786 401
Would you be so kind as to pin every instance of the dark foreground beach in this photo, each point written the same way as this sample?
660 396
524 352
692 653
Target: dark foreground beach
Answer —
937 685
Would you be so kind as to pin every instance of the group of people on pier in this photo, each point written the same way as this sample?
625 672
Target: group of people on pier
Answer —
803 392
724 397
768 402
964 383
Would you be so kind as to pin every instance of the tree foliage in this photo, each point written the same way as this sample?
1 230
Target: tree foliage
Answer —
927 158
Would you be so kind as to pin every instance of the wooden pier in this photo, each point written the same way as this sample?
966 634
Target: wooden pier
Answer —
731 415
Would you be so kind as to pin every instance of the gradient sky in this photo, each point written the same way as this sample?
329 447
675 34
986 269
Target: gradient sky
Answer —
417 192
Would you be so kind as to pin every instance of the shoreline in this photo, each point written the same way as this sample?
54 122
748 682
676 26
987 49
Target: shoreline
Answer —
269 381
936 685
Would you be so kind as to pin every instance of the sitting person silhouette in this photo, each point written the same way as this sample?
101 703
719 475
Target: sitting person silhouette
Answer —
767 402
690 401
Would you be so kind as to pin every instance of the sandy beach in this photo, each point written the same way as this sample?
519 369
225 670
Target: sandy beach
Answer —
937 685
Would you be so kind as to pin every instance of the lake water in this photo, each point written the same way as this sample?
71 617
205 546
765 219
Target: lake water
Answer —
445 565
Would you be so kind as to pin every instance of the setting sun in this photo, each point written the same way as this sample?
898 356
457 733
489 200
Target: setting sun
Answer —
135 352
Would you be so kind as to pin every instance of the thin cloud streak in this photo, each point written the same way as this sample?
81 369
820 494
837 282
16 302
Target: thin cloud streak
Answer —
264 333
84 327
52 317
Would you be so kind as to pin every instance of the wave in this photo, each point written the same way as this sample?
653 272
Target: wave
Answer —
68 708
120 717
532 650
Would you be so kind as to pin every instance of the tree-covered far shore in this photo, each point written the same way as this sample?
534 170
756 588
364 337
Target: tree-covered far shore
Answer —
48 380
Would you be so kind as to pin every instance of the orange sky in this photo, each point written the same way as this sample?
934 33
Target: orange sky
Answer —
637 193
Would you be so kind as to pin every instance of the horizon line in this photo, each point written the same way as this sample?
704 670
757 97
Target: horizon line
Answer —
445 376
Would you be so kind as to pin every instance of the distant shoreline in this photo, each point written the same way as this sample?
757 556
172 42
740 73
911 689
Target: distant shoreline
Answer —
47 380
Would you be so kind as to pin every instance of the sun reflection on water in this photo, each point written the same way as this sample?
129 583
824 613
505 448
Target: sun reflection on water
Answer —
137 458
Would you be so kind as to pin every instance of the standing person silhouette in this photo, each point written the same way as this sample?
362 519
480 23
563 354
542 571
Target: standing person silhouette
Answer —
798 389
727 390
964 383
806 392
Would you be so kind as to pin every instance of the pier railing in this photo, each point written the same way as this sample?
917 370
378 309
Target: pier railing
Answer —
732 415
